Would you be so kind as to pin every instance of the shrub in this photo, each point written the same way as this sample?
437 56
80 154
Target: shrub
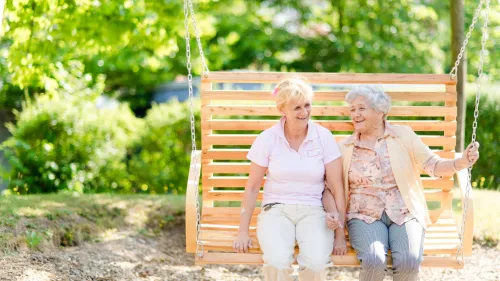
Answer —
64 142
486 172
161 160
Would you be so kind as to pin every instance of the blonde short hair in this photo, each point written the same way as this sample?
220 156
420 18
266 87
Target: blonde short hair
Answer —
292 89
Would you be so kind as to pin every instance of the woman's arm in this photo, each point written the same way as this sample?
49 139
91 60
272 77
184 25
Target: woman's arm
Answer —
328 200
252 187
332 214
436 166
446 168
335 183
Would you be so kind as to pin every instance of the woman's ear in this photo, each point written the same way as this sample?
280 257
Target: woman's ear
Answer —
381 115
281 111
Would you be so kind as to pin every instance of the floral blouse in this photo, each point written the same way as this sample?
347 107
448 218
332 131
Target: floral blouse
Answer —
372 186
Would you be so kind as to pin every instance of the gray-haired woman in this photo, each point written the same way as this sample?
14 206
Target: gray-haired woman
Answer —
386 204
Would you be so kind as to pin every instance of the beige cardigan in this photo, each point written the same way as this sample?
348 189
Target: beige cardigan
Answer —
407 153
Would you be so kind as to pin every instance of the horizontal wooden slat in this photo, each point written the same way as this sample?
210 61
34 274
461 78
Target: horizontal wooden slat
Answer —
237 195
268 110
437 217
247 125
221 235
445 184
241 181
347 260
325 96
226 242
328 78
244 139
434 228
431 246
240 154
226 195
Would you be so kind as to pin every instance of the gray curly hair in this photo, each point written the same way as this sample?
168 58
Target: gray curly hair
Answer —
374 95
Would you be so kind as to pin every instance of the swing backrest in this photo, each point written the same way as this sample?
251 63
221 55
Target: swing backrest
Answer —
236 106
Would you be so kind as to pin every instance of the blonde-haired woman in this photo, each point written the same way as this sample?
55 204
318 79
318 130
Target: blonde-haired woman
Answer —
297 154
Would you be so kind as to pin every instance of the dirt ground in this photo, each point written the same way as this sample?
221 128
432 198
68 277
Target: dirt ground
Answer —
129 256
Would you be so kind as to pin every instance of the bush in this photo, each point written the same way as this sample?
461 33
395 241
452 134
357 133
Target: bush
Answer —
486 172
64 142
161 160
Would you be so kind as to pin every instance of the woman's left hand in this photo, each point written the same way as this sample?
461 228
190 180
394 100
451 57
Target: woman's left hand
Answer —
332 220
471 154
339 246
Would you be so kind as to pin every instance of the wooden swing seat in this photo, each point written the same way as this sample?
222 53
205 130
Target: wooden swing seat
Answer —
231 119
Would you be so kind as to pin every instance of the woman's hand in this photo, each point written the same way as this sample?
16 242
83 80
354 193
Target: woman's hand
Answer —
242 243
333 221
470 155
339 245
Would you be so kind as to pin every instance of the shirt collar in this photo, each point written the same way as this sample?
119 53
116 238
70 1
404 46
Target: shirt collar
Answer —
388 132
312 132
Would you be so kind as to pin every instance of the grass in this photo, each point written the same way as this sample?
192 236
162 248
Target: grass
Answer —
486 213
40 222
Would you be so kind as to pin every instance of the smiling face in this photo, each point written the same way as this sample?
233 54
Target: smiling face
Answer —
297 112
363 116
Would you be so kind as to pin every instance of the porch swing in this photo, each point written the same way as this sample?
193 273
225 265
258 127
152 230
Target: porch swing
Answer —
211 225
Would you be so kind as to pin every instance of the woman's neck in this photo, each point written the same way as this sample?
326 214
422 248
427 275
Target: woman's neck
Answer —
374 133
293 132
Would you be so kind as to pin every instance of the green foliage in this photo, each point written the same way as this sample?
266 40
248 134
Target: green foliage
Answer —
134 49
486 172
64 142
143 43
161 161
33 239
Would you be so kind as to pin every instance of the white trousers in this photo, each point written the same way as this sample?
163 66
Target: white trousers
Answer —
278 231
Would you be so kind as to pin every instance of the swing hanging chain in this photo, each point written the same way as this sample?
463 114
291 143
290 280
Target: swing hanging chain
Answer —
198 40
194 160
460 251
454 70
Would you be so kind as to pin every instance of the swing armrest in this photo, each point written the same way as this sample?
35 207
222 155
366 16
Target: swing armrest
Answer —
191 215
469 219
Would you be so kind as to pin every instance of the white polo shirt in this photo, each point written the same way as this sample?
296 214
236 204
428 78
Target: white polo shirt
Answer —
294 177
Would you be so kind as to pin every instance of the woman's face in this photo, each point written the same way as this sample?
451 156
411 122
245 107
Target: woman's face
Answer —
297 113
363 116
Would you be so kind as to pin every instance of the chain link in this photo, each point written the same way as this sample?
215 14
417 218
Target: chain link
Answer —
194 156
460 251
198 40
454 70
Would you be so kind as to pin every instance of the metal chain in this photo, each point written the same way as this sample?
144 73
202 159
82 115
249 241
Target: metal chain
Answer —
198 40
460 251
194 160
454 70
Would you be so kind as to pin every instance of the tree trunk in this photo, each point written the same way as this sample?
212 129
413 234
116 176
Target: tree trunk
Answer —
457 38
5 117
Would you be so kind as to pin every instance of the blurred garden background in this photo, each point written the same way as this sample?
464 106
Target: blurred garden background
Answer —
93 95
